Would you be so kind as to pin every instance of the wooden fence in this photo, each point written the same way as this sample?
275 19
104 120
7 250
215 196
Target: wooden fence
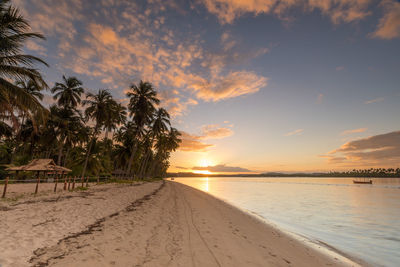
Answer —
69 182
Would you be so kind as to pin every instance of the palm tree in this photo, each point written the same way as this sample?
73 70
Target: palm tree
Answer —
66 123
98 109
14 65
68 92
32 88
164 145
115 117
159 128
141 107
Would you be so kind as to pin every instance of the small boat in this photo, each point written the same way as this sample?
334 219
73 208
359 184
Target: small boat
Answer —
172 178
362 181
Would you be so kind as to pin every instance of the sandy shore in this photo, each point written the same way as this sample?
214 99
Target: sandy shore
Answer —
154 224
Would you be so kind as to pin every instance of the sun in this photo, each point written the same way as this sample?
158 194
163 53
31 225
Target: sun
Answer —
205 163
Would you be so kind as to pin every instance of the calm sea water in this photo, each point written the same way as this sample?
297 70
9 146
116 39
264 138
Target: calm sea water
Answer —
361 220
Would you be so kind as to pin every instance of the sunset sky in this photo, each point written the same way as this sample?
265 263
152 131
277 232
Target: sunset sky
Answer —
254 85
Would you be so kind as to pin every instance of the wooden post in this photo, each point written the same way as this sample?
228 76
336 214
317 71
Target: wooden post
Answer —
69 182
87 181
73 183
65 180
37 182
83 180
55 185
5 187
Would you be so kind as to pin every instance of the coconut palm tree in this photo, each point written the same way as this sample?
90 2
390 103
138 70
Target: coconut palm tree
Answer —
99 107
68 92
142 99
15 65
115 117
159 127
32 88
165 144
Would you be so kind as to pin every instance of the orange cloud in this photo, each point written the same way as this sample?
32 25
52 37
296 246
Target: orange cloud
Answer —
215 132
338 10
174 103
232 85
377 150
376 100
389 24
192 143
295 132
134 41
359 130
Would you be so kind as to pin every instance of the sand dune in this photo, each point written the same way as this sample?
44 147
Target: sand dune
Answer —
164 225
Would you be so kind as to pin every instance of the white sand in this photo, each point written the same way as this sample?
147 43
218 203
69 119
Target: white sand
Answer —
35 222
175 226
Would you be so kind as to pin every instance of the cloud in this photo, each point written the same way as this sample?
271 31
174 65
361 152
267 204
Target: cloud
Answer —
338 10
320 98
232 85
180 167
215 132
117 42
34 46
295 132
53 19
193 143
389 24
376 100
383 149
175 103
222 168
359 130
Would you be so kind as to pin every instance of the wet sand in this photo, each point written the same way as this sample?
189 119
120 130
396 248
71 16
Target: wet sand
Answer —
154 224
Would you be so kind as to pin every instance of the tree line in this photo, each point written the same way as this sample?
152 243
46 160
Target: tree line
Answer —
90 133
371 172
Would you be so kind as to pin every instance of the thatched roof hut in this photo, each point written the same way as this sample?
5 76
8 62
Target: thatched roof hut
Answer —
45 165
40 165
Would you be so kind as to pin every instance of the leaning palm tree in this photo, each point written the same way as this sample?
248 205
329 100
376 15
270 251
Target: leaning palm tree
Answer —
165 144
143 97
68 92
158 128
15 65
98 109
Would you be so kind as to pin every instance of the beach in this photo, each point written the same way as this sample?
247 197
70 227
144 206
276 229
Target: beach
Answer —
151 224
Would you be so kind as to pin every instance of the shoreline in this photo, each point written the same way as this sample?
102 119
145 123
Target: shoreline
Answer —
317 245
154 224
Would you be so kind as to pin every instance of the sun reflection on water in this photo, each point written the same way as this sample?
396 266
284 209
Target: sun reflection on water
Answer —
205 185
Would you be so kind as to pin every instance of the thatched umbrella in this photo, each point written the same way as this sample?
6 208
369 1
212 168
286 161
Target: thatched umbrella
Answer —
41 165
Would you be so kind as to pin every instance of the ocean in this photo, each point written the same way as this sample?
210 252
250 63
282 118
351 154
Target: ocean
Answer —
358 219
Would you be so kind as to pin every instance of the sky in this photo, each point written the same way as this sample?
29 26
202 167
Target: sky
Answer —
253 85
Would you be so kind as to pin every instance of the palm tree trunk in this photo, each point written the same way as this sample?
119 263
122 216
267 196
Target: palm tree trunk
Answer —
144 164
87 156
106 134
66 156
153 166
60 150
128 169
